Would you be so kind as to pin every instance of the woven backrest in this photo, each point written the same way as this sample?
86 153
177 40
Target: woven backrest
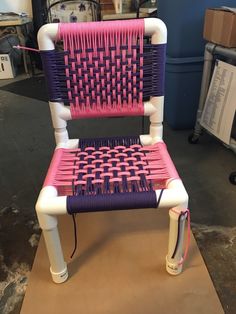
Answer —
105 68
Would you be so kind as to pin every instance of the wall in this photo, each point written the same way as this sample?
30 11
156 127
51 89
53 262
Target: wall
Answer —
16 6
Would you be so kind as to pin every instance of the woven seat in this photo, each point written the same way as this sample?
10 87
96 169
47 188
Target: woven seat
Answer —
108 69
110 168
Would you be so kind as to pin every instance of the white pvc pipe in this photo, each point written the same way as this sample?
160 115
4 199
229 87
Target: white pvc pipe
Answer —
145 139
47 35
58 267
149 108
157 29
174 195
154 105
59 113
70 144
49 203
157 103
46 207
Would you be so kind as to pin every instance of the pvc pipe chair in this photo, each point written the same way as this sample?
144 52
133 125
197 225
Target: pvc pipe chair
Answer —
106 70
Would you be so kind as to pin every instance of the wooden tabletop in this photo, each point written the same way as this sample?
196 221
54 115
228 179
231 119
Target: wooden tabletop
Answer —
15 21
111 15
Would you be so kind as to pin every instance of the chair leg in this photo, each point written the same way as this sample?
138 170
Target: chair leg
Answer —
58 267
176 238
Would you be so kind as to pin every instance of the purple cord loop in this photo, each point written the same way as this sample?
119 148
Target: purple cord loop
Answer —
116 201
57 82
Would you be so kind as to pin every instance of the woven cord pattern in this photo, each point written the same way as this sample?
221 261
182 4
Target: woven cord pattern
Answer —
112 170
153 81
101 66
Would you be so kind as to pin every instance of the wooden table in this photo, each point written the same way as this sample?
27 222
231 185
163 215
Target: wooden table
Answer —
112 15
20 27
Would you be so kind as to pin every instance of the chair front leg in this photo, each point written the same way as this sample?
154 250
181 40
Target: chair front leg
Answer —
58 267
174 257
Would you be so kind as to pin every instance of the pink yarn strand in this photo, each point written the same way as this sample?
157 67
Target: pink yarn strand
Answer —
26 48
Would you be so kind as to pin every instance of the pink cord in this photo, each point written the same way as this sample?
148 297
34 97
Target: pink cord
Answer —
188 234
25 48
107 98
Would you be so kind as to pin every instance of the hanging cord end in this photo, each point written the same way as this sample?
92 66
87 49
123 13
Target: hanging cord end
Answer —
75 235
16 47
25 48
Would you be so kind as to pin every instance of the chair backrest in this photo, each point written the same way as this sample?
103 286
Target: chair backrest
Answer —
113 68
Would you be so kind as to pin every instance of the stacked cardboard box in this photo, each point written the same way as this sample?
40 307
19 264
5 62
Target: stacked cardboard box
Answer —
107 5
220 26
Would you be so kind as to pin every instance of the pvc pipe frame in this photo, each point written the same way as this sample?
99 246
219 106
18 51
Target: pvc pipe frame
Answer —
49 204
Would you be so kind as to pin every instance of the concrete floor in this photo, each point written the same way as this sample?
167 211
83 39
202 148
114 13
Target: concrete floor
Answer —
26 140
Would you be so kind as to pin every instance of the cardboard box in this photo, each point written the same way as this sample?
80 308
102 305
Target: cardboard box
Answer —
107 5
7 68
220 26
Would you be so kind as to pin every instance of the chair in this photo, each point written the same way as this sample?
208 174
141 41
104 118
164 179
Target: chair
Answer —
106 70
